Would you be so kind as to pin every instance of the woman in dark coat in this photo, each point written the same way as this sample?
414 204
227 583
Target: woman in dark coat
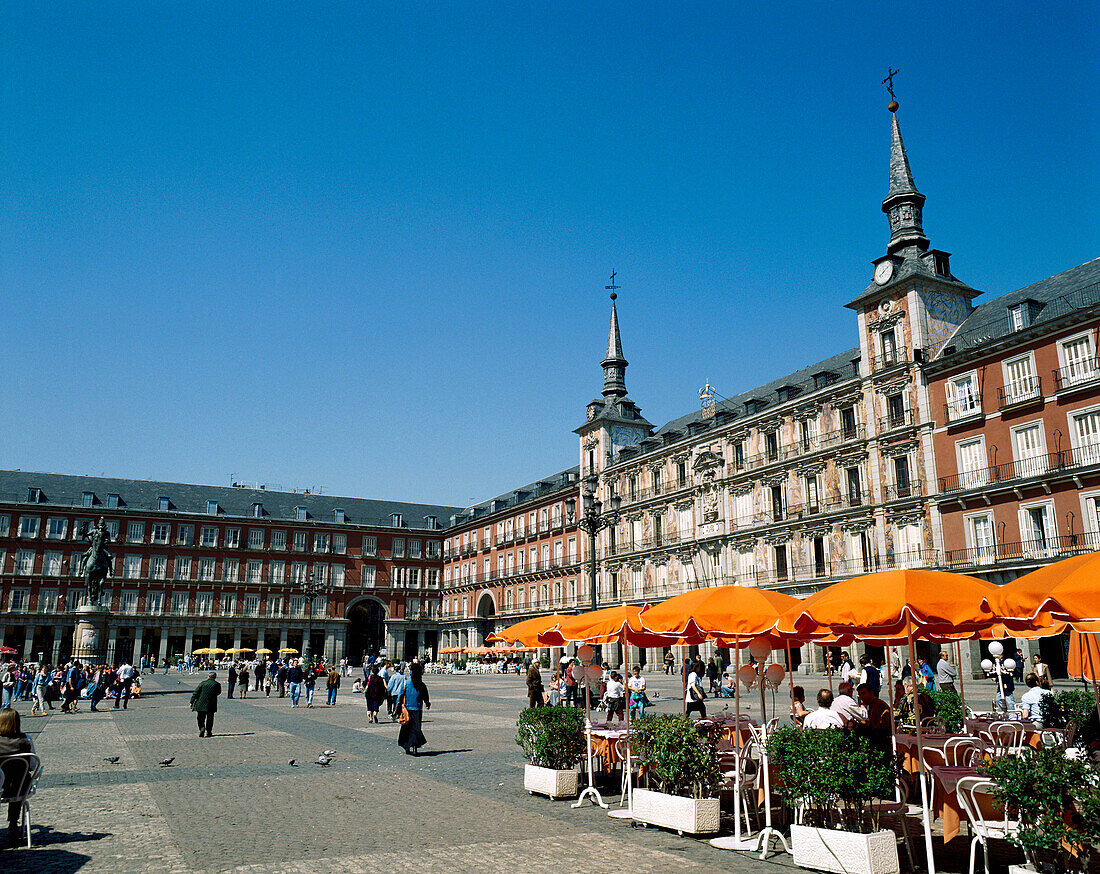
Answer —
414 695
376 694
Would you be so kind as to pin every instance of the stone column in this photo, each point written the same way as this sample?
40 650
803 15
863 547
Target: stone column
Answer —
162 656
282 638
28 644
55 657
260 638
213 636
237 637
112 634
137 644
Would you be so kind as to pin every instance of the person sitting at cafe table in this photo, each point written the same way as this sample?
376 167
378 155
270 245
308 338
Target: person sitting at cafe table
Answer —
876 721
846 705
1032 699
824 716
907 709
798 705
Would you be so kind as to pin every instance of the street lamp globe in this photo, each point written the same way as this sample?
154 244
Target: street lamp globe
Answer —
996 649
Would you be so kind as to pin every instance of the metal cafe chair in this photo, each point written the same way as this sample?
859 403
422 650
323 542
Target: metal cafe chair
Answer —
20 773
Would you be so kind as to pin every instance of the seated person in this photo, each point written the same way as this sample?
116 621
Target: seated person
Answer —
798 705
12 740
845 705
725 688
877 722
824 716
1032 699
907 708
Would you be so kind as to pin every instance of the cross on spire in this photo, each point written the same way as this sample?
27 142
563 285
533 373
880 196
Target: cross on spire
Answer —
612 287
889 81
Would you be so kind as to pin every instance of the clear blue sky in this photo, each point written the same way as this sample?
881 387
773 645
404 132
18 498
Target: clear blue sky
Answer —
362 246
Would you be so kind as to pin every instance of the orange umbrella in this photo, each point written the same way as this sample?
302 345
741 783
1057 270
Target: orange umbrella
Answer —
1067 590
610 625
720 611
527 631
1084 656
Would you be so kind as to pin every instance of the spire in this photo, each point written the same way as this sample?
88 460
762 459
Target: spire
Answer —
903 203
614 365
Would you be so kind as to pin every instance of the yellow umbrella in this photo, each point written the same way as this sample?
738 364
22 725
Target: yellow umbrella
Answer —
289 650
239 649
263 651
209 650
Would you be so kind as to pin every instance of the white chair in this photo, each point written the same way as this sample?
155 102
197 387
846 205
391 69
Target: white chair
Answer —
1008 738
970 790
932 756
741 774
627 773
19 775
963 752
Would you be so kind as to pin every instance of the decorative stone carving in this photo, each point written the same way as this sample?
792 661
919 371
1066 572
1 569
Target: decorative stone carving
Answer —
591 441
854 526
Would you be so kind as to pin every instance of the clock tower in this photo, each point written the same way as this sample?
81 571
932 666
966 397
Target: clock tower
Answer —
613 421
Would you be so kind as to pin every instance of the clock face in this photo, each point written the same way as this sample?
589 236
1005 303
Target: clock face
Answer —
883 272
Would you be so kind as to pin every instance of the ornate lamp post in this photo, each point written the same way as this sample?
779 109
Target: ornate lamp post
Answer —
593 521
311 588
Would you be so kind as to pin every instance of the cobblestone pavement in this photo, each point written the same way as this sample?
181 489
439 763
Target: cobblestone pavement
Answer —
233 803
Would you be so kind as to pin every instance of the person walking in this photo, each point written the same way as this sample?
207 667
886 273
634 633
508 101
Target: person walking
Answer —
393 692
124 681
946 673
74 682
231 680
261 672
414 698
695 695
281 679
636 685
670 662
570 686
294 676
712 675
38 690
242 679
534 686
7 684
333 685
204 702
310 684
1041 670
927 675
375 694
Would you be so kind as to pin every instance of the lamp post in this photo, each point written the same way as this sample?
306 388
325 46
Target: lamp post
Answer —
996 649
311 588
592 521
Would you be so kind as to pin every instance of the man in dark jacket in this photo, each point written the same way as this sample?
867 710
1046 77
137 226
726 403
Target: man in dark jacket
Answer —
534 686
204 701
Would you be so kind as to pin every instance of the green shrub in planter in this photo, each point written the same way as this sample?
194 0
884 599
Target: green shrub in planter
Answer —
1057 803
1051 713
831 770
678 759
551 737
949 708
1079 706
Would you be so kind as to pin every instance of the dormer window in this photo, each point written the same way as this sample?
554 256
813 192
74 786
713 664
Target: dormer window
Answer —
431 522
258 510
87 499
786 392
211 508
34 496
942 268
396 520
164 505
112 500
338 516
300 514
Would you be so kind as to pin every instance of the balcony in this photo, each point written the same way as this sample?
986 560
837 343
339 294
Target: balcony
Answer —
1022 551
901 491
888 359
1053 463
1079 375
896 420
963 410
1022 392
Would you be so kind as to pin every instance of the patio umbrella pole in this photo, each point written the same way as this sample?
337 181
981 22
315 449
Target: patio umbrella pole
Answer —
591 788
893 724
736 841
962 686
1092 669
920 753
769 834
628 812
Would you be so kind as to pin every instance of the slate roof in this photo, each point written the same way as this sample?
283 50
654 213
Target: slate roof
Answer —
531 491
65 490
840 364
1057 296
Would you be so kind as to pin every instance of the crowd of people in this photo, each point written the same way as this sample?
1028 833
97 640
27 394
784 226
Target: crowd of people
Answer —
67 685
612 693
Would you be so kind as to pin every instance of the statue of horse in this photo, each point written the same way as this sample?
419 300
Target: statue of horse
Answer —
95 562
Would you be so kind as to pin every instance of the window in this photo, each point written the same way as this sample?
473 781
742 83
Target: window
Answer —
278 573
973 471
204 603
780 553
209 536
112 501
980 539
74 598
251 605
559 549
889 342
820 565
211 508
254 571
367 576
1037 529
55 528
185 535
28 526
320 573
1019 315
414 548
339 544
158 567
182 567
206 570
322 542
300 514
338 575
5 525
20 600
399 547
771 446
320 605
812 501
431 577
338 517
895 410
231 569
228 604
301 540
1085 436
131 567
1020 381
87 499
164 505
297 573
370 545
161 532
739 455
1029 450
963 398
432 548
232 538
154 602
47 600
274 605
572 552
112 528
51 564
128 601
1078 362
257 510
297 605
854 489
135 532
180 602
681 474
902 486
24 562
848 422
777 503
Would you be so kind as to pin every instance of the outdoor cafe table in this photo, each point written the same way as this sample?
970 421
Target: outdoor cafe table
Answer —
729 729
1033 736
907 746
604 737
945 800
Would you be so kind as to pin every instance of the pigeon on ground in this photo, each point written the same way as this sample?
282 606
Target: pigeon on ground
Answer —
164 763
329 753
293 763
323 760
112 759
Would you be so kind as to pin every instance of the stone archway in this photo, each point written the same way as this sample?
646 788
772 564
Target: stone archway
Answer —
366 629
486 613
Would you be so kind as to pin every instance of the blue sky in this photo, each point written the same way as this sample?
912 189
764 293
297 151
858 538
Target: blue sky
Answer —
362 246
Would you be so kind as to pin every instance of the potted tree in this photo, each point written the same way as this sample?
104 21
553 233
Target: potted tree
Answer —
834 776
683 767
1056 801
552 740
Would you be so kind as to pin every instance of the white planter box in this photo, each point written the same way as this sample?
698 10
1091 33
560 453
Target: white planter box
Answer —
547 781
1021 869
845 852
696 816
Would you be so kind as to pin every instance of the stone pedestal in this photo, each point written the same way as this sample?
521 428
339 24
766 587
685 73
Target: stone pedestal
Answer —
90 636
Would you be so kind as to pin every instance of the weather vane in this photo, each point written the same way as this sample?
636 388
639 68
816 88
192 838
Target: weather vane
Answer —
612 287
889 82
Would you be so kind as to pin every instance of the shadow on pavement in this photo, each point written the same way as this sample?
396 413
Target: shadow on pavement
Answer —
54 861
441 753
44 836
232 734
